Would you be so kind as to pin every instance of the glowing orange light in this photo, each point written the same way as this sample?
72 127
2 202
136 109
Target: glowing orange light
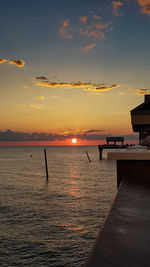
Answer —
74 140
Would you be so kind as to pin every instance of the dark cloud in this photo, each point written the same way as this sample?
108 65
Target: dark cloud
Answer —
78 84
87 136
94 131
18 63
40 78
104 88
2 60
131 137
10 135
142 91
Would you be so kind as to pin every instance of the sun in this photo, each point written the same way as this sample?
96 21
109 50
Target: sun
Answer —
74 140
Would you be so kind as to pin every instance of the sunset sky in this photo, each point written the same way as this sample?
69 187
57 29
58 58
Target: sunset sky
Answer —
72 68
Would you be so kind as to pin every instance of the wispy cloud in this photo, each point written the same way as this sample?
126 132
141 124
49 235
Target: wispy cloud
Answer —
53 97
93 131
95 30
2 60
121 93
145 6
18 63
25 86
63 30
40 98
32 106
87 48
96 17
103 88
93 93
91 27
85 85
143 91
116 5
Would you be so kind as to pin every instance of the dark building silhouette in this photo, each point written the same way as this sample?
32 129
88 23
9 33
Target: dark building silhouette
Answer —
140 118
114 139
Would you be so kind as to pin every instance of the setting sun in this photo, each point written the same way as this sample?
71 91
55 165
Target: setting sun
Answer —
74 140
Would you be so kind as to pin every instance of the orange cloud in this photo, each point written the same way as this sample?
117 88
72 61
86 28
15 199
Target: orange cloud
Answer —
104 88
83 19
115 6
143 91
2 60
18 63
89 47
65 84
145 6
88 86
96 30
63 30
97 35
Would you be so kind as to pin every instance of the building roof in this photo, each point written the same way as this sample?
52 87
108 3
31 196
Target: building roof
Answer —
143 109
115 138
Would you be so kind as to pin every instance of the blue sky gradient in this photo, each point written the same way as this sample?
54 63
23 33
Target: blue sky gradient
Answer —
103 43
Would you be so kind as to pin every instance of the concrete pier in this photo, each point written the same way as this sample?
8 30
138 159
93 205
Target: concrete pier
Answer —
124 240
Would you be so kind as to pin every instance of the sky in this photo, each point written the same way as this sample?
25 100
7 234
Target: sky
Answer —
72 68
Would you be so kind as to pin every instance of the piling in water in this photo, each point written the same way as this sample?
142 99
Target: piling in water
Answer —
100 148
46 168
88 156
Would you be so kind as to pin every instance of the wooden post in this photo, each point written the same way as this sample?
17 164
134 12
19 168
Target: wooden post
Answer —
100 152
46 168
88 156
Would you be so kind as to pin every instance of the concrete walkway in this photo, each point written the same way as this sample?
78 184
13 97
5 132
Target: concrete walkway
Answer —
124 241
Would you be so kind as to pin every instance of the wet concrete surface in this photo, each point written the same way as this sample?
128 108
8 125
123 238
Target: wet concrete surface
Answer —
124 240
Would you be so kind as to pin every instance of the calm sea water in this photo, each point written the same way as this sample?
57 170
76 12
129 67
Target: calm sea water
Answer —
54 223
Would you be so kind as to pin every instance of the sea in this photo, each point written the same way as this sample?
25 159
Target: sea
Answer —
55 222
